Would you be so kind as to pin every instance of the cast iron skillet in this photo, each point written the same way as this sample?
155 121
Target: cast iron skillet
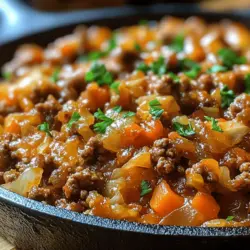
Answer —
30 224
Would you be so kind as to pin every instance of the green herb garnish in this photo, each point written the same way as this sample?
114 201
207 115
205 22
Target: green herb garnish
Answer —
178 43
143 22
229 58
115 87
55 76
174 77
99 73
101 127
117 109
145 188
159 67
7 76
229 218
155 109
227 96
129 114
183 130
191 68
247 83
214 122
74 118
217 68
143 67
137 47
45 128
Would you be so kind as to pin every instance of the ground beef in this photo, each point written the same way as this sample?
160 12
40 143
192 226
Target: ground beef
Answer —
85 179
163 155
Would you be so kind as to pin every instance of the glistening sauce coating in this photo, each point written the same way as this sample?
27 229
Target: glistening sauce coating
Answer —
148 123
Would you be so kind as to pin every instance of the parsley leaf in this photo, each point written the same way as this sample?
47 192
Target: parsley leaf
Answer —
174 77
159 66
155 109
45 128
214 122
137 47
229 218
143 67
230 58
7 76
145 188
95 55
227 96
117 109
101 127
111 45
55 76
115 87
74 118
129 114
247 84
143 22
183 130
178 43
217 68
192 68
99 73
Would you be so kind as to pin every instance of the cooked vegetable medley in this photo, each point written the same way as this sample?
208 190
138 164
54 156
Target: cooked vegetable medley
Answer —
147 123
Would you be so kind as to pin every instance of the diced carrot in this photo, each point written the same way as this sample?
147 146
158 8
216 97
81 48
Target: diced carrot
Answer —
132 136
13 128
137 136
69 48
153 130
173 136
95 96
124 96
164 200
206 205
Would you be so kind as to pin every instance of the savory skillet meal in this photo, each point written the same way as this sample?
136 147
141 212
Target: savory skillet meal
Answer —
148 123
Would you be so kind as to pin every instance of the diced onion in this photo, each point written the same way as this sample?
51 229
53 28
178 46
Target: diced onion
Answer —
142 160
29 178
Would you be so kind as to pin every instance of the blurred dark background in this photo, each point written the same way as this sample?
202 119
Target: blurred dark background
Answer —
54 5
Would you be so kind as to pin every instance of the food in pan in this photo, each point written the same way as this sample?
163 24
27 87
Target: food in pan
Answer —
148 123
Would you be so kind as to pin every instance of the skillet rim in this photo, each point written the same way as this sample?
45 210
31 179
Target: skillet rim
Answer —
39 208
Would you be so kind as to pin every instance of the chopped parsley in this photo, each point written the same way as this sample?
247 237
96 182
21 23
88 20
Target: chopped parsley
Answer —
155 109
145 188
247 83
115 87
105 121
74 118
129 114
143 67
217 68
99 74
214 122
178 43
117 109
137 47
95 55
227 96
229 58
229 218
159 66
191 68
174 77
143 22
45 128
55 76
183 130
7 76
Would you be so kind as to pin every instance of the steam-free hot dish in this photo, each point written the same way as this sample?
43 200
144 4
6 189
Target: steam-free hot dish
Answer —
148 123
